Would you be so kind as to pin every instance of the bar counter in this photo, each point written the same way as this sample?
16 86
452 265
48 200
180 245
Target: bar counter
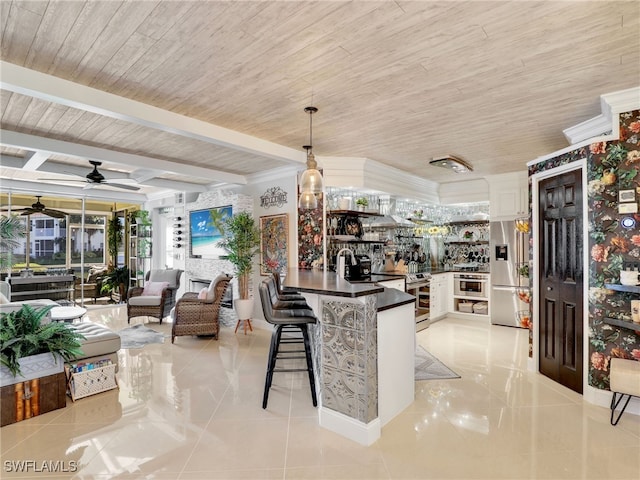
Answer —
363 352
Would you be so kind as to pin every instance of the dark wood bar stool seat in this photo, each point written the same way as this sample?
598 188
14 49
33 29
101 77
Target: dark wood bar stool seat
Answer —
286 320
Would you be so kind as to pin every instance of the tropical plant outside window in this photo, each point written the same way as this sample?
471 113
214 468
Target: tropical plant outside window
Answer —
56 243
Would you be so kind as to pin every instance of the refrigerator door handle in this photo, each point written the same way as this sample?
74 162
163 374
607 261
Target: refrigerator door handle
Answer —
504 288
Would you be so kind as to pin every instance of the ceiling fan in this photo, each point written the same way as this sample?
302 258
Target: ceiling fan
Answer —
39 207
94 178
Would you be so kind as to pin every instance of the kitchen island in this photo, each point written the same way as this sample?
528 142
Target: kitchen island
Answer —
363 349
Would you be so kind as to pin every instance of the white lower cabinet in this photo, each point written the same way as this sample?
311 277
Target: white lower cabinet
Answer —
439 295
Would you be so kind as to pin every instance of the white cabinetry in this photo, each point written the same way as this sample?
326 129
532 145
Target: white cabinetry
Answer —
439 295
508 196
398 284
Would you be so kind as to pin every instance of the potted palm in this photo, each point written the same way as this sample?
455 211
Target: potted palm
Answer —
118 280
26 344
241 240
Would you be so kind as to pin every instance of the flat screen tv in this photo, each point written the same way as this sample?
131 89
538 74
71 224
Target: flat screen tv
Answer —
204 234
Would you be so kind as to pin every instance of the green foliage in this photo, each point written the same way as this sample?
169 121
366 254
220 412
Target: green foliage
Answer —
115 232
11 231
114 279
241 240
22 334
143 215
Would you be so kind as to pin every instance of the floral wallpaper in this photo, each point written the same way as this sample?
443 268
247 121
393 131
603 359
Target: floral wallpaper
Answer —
611 166
310 236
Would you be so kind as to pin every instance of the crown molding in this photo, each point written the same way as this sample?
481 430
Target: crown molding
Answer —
273 175
611 105
360 172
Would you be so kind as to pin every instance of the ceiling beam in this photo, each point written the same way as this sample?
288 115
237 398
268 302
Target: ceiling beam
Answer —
54 89
48 145
35 160
36 188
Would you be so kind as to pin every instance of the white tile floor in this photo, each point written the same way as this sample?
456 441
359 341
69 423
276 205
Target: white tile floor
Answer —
193 411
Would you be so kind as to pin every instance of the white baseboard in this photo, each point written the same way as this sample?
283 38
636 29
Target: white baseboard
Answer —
362 433
603 399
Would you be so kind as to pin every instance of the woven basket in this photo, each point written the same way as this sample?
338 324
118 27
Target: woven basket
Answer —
90 382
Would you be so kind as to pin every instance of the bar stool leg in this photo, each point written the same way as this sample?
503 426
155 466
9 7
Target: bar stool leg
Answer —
271 362
307 351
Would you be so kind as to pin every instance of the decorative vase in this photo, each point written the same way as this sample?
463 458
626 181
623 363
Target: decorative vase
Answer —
243 308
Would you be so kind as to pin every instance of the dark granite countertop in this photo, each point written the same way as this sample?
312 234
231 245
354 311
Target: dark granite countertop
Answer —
392 298
379 277
327 283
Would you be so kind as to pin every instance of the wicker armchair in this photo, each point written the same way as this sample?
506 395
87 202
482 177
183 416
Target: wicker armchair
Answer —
154 300
200 316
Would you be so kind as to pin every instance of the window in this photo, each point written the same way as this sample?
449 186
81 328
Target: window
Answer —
57 242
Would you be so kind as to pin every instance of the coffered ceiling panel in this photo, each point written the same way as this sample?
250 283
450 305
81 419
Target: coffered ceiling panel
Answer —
494 82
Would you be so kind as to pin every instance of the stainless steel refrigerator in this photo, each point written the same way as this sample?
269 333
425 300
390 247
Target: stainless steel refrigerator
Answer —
510 293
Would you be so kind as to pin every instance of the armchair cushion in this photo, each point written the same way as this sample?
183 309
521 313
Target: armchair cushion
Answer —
145 300
203 294
154 288
172 277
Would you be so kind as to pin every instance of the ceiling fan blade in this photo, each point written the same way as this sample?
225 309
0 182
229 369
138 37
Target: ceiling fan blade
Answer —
29 211
54 213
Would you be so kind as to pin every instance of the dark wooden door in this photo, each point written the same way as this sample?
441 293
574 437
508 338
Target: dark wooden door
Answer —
561 278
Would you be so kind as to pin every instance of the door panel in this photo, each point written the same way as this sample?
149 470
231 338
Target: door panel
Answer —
560 279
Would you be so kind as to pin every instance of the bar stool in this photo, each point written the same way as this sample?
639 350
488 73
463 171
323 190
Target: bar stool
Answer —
290 293
286 320
284 302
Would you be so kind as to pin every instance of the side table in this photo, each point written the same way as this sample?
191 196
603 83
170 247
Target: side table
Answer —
67 314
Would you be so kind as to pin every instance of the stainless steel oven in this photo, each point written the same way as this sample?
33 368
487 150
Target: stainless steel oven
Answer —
471 285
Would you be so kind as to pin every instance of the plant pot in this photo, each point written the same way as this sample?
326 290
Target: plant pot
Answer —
35 366
361 208
243 308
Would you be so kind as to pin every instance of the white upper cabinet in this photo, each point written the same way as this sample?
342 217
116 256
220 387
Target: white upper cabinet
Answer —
508 196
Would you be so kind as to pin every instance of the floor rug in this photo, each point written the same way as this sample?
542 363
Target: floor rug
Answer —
138 336
429 367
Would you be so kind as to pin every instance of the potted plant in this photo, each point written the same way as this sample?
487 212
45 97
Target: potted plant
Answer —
25 340
362 203
241 240
117 279
141 217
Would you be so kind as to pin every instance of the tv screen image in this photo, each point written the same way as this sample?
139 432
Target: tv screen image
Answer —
205 235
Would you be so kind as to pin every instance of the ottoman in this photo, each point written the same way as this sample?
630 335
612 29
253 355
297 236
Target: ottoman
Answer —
624 378
99 342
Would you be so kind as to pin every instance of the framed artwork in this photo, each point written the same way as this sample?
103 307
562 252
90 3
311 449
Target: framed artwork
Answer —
204 233
274 243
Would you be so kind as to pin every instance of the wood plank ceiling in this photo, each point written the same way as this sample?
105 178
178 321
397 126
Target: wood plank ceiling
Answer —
398 82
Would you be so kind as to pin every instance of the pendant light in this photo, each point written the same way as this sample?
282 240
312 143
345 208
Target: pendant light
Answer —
307 201
311 179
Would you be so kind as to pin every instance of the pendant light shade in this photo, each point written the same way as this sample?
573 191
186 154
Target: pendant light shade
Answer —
311 181
307 201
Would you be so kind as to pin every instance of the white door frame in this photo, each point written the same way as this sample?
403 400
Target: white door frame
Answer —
534 363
